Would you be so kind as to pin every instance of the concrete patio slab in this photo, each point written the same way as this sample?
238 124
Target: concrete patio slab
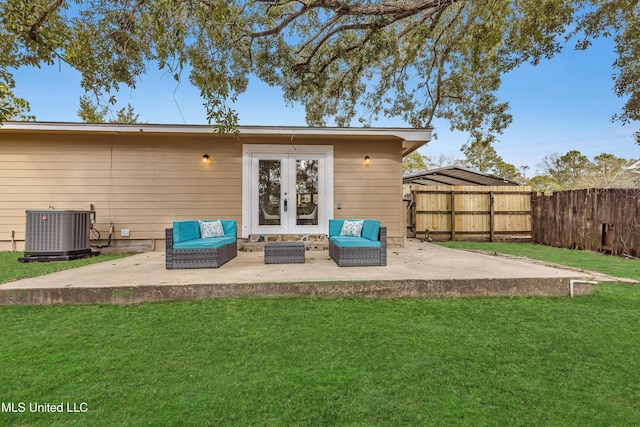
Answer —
417 270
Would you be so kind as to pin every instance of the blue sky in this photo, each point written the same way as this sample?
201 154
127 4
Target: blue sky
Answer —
560 105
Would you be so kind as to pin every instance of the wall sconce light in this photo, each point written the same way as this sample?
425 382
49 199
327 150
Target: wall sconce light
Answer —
367 160
205 158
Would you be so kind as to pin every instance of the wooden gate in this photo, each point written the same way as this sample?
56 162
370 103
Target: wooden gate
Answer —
470 213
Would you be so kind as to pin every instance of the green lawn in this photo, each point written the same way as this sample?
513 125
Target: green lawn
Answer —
611 265
262 361
11 269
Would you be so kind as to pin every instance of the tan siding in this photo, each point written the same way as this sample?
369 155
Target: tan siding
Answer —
138 182
145 182
373 191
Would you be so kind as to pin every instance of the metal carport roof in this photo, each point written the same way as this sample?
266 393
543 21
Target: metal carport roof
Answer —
455 175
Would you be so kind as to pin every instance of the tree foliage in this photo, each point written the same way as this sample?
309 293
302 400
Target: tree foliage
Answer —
414 162
565 169
480 157
11 106
344 60
483 157
90 112
574 170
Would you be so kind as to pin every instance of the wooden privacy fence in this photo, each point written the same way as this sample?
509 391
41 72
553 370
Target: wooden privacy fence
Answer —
604 220
470 212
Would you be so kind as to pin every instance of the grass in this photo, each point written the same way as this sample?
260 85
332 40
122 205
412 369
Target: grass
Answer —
12 269
353 362
610 265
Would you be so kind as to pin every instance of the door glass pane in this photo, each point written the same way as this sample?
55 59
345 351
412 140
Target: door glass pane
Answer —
269 183
307 192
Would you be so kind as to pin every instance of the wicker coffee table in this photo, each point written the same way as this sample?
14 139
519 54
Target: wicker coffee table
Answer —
284 253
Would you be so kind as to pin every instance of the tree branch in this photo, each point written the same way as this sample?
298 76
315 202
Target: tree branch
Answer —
34 30
284 24
380 15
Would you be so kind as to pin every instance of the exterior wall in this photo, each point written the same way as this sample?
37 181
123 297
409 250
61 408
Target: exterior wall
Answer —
144 182
140 182
373 191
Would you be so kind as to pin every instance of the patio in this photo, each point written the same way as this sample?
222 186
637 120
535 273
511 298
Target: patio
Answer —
417 270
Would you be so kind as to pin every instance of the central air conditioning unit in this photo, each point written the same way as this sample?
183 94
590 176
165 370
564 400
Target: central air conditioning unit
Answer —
58 235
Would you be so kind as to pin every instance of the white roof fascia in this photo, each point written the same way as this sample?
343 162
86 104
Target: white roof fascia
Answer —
406 134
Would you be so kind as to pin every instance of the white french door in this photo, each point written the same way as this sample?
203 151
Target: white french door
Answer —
289 189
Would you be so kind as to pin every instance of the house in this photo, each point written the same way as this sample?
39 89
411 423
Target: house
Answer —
635 167
276 182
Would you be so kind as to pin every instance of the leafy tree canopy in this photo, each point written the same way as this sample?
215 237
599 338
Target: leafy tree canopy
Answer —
90 112
344 60
484 158
574 170
414 162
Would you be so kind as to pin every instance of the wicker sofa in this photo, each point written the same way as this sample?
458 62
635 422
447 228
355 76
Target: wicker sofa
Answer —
368 249
185 248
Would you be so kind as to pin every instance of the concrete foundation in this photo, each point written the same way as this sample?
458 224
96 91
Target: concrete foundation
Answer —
358 289
419 270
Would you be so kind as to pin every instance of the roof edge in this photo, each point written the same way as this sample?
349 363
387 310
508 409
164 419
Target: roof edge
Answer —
411 135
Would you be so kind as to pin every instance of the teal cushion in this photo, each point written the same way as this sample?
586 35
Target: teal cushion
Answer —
371 229
185 230
335 226
354 242
229 227
210 243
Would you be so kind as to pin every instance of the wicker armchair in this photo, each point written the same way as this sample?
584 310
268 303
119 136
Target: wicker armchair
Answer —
352 255
201 257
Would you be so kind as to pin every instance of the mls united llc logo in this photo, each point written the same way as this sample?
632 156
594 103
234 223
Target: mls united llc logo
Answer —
67 407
